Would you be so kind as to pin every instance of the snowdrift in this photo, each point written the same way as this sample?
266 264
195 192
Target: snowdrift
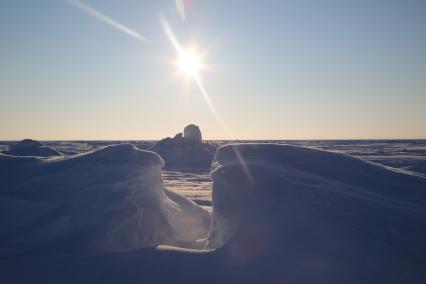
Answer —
29 147
110 199
310 216
281 214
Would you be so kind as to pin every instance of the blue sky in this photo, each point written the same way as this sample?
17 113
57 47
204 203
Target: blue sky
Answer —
288 69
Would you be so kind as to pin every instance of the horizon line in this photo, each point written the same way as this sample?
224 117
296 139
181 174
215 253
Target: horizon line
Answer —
218 139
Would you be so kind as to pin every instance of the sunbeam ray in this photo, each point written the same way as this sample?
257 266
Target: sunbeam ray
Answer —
170 34
196 77
104 18
222 123
209 102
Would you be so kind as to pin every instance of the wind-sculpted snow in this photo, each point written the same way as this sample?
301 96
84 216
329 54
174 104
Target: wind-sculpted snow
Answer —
323 216
111 199
314 174
281 214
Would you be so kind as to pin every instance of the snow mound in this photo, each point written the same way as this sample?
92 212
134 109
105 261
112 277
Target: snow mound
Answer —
185 151
325 215
29 147
111 199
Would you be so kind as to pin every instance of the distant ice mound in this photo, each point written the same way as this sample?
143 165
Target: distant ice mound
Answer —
326 216
111 199
185 151
29 147
192 132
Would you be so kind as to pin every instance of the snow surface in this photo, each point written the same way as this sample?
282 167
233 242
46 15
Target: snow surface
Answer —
111 199
281 214
195 185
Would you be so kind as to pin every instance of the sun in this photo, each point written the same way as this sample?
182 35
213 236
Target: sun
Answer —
189 63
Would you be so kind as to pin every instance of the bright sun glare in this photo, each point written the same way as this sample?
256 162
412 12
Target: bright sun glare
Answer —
189 63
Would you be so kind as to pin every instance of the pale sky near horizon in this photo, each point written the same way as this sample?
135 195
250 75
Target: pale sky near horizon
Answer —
285 69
